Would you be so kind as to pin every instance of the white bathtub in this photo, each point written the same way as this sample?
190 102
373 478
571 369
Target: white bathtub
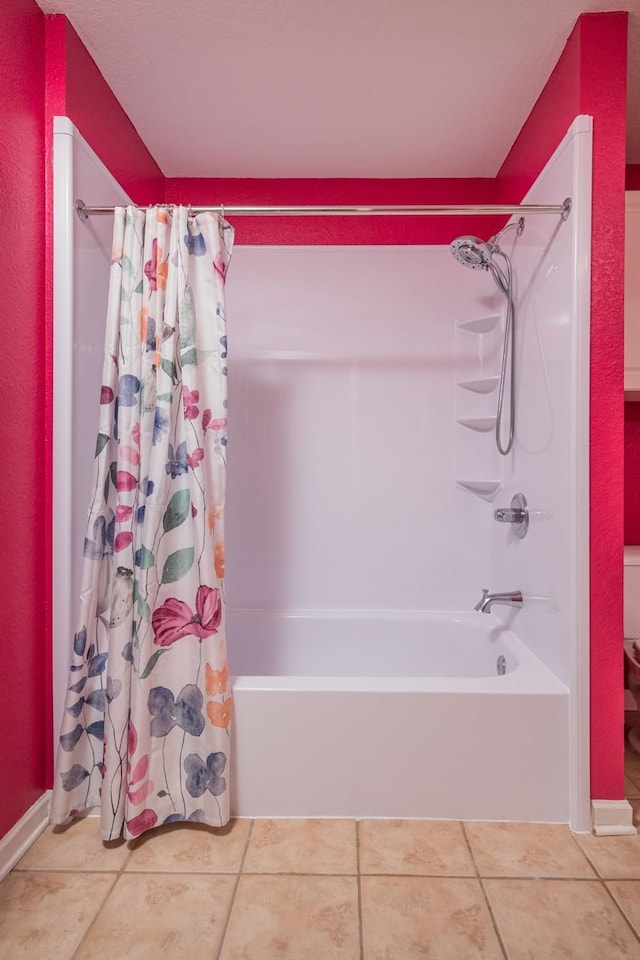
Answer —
393 715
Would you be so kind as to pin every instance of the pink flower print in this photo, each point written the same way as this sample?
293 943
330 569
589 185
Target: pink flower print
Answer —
135 433
123 540
189 400
175 619
144 821
156 272
130 454
123 513
208 423
106 394
194 459
220 266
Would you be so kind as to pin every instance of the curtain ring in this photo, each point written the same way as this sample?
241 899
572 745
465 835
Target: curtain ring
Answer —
222 210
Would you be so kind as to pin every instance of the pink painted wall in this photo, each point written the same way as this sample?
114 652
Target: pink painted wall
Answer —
342 230
23 403
590 78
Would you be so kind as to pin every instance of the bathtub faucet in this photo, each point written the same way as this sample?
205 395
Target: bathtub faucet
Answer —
513 599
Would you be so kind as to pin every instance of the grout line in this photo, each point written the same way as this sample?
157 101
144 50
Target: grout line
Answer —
235 890
484 893
586 855
620 910
118 874
359 880
96 915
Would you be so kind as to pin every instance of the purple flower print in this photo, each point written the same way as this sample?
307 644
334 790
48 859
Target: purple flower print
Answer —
177 462
184 712
201 776
160 424
128 387
195 244
103 537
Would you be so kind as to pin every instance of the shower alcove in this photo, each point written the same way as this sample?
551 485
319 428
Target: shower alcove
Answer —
362 481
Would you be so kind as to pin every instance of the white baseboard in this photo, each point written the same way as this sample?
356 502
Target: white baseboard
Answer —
612 818
26 831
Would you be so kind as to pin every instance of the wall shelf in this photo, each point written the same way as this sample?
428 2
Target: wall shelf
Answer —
486 489
483 385
480 424
479 324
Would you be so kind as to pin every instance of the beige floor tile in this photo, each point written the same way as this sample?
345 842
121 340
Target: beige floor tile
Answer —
43 916
427 847
615 858
526 850
76 847
190 848
559 920
413 918
627 894
146 918
302 846
294 918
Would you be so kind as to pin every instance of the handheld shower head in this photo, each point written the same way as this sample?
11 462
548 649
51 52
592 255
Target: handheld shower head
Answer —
471 252
477 255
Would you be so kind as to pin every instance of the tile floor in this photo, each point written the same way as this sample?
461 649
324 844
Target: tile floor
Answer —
327 890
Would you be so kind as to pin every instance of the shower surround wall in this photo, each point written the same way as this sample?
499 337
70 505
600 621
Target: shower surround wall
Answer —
341 443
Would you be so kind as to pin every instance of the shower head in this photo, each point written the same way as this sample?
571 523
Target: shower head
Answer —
477 254
471 252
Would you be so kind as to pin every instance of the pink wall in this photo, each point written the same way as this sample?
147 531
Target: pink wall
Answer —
590 78
75 88
342 230
23 402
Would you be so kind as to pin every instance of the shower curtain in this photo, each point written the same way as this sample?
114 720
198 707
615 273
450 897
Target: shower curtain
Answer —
147 716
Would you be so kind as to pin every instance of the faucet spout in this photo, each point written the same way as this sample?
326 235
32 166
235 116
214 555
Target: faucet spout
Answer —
512 599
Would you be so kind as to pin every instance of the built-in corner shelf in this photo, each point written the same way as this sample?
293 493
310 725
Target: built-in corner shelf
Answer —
480 424
483 385
480 324
486 489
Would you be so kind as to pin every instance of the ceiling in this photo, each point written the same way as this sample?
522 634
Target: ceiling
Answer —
334 88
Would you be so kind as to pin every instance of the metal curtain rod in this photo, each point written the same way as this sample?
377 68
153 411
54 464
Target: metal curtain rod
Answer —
84 211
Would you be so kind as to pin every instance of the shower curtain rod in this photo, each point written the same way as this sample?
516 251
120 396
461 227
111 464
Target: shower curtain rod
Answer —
84 211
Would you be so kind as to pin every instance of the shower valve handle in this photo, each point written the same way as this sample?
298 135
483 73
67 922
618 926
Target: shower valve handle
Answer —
517 514
506 515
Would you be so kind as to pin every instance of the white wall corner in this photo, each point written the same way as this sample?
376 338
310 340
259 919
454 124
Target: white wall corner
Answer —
26 831
612 818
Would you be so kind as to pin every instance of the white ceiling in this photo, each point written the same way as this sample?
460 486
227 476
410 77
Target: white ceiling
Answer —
334 88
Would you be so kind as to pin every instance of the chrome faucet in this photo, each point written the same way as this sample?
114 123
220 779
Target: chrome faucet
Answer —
513 599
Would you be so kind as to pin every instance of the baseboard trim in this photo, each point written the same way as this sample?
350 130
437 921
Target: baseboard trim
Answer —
612 818
26 831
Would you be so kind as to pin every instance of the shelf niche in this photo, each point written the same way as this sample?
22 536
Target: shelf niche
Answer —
480 324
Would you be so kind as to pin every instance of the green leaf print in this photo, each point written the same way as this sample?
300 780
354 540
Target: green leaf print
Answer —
177 564
177 510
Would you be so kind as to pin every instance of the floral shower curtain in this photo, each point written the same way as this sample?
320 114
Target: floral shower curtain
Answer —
147 716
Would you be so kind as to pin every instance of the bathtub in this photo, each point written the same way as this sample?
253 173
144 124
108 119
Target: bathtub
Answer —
394 715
